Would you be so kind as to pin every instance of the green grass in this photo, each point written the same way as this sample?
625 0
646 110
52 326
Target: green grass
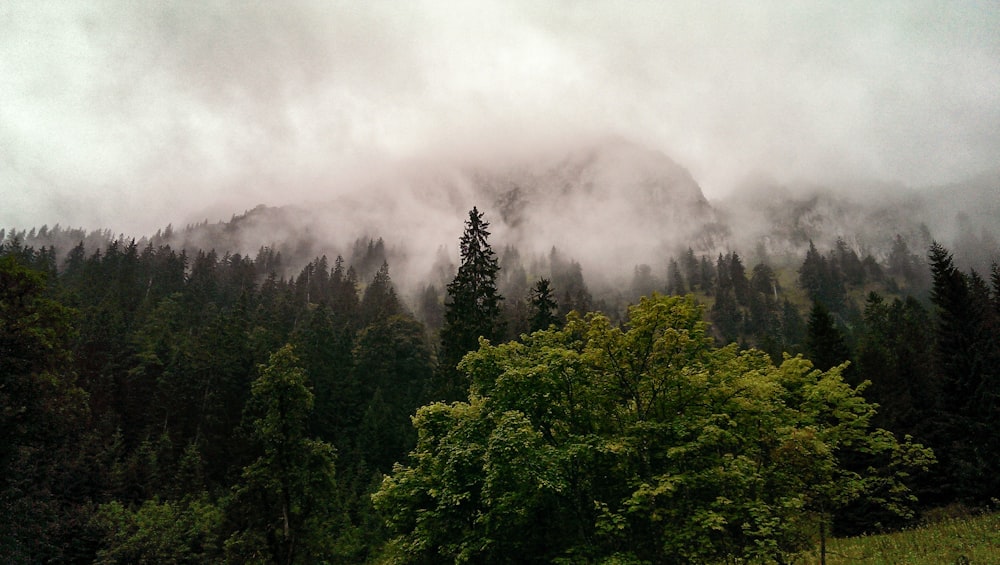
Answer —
967 541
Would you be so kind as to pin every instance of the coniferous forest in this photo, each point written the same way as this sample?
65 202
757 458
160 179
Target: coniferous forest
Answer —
189 405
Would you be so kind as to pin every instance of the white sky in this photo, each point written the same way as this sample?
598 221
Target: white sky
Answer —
132 115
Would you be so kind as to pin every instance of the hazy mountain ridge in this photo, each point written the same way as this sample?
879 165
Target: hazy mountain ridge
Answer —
608 203
611 202
963 216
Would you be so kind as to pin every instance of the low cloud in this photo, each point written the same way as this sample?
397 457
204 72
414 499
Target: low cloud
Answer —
135 115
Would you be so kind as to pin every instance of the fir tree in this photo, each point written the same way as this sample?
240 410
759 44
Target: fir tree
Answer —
380 300
675 281
825 345
544 306
473 306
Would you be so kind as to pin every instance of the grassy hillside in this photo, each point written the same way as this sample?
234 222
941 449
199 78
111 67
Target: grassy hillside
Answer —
967 541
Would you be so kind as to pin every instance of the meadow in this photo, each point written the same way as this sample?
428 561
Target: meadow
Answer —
968 540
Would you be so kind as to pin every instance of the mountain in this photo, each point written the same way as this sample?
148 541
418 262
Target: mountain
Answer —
609 203
783 220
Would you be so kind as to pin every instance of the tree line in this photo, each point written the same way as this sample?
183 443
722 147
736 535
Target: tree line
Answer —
161 406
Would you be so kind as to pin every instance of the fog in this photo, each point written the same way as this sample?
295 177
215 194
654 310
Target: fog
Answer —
376 117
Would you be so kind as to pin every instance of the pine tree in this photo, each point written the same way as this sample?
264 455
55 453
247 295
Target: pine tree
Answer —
473 306
285 505
738 278
706 275
675 281
380 300
966 355
41 413
544 306
691 271
792 330
825 345
955 328
643 282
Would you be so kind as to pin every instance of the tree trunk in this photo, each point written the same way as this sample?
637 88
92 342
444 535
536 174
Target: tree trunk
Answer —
822 540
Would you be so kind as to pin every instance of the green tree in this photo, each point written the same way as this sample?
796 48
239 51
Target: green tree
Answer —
639 443
966 355
325 351
379 300
393 363
825 345
176 532
643 282
543 306
822 280
42 412
675 280
285 505
473 306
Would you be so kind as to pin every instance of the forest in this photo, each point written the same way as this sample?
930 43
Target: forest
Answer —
182 405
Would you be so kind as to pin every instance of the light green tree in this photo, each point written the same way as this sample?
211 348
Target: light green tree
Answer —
178 531
641 443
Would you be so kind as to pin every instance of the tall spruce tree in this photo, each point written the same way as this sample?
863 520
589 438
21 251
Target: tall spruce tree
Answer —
965 352
379 300
825 345
472 309
543 306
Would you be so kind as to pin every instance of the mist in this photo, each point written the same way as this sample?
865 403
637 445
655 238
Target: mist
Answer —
394 120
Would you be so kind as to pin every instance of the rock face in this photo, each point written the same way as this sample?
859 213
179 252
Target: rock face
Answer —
610 203
611 198
610 172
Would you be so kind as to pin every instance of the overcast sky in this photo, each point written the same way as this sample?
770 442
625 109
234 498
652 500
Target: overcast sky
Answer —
132 115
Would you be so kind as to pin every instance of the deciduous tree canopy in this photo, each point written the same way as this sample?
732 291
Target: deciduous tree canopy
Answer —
639 443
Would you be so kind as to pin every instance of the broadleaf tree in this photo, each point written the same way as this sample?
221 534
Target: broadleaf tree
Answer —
639 443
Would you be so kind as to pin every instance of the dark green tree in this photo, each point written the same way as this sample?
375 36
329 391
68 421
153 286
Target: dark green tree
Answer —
825 345
706 276
472 309
966 339
643 282
848 262
675 280
895 353
543 306
905 267
567 276
738 277
344 293
325 349
285 505
379 300
690 269
392 363
42 412
957 321
821 280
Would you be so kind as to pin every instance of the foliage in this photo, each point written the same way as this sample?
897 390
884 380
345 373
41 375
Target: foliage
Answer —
126 369
473 306
641 442
184 531
285 503
42 410
825 344
543 306
967 355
